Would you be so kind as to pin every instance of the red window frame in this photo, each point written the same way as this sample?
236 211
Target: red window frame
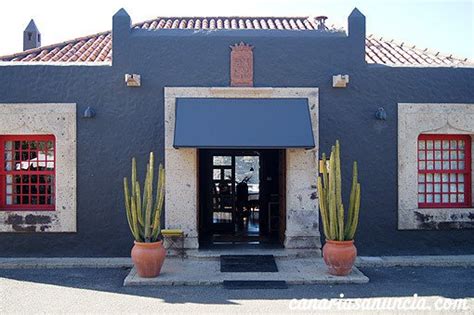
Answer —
439 176
37 185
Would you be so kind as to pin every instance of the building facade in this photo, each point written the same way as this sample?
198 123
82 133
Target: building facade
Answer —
219 98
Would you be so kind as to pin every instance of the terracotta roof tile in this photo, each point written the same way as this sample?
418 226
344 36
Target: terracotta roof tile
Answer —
98 47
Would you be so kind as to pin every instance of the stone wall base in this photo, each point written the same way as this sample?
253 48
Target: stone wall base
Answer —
191 242
307 241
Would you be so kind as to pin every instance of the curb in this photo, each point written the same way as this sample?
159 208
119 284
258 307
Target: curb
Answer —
125 262
416 261
66 262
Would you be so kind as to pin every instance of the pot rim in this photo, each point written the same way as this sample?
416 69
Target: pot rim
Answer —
340 243
152 244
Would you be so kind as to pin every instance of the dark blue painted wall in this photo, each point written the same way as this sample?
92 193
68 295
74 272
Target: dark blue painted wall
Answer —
129 122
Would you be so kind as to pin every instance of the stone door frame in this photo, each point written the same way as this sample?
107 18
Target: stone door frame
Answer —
181 199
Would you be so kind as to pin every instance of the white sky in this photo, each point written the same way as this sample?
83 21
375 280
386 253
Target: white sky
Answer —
446 26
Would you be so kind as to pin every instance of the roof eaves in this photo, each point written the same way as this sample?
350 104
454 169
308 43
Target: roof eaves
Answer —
455 59
52 46
56 63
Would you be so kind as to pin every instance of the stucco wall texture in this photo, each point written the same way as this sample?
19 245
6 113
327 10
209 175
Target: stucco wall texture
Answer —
129 123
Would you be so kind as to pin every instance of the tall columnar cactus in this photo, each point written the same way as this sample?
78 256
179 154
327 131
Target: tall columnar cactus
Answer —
330 199
144 213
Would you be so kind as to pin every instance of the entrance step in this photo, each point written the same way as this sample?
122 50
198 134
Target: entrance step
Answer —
280 253
309 270
252 285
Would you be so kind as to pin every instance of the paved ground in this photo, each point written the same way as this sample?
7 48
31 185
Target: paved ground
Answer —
208 272
100 291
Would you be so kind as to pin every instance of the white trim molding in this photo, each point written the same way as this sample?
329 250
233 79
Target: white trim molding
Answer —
302 218
45 119
428 118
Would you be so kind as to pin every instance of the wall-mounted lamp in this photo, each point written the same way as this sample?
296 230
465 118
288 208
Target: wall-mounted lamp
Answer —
89 112
381 114
340 80
132 79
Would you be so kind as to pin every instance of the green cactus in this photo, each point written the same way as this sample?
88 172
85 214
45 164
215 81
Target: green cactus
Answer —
144 213
330 199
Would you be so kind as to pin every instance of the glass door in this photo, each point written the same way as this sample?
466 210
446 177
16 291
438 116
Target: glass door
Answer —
223 193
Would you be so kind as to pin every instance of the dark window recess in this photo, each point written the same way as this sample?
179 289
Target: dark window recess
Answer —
27 172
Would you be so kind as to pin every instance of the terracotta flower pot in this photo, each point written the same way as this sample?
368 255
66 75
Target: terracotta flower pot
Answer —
339 256
148 258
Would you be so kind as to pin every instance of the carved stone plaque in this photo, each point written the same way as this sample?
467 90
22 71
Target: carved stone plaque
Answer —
241 65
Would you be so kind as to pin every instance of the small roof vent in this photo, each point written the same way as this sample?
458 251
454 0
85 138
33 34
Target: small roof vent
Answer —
321 21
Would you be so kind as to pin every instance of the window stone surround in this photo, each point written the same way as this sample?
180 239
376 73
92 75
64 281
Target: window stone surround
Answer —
58 119
302 217
428 118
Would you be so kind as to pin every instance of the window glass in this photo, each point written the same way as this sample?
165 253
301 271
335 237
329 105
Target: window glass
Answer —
28 172
444 170
222 160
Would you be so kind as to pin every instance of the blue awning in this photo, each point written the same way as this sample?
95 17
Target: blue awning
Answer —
243 123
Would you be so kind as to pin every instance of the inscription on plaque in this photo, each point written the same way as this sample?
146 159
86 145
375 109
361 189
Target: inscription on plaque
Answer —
241 65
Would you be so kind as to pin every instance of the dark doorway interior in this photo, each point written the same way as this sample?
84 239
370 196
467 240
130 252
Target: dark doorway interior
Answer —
240 197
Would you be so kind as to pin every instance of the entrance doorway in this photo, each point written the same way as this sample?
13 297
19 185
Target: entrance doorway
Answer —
241 197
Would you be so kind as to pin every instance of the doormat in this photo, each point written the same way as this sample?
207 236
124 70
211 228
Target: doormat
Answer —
251 285
248 263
